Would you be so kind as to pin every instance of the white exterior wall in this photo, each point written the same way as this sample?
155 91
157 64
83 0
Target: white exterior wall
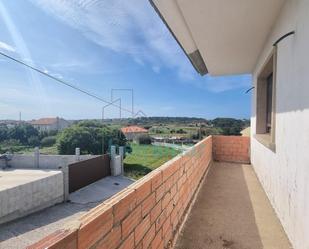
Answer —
45 161
59 125
44 190
284 174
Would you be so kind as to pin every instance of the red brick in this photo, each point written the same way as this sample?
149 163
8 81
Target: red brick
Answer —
166 226
155 212
167 232
169 208
160 220
166 199
160 192
169 170
142 189
94 226
128 243
149 236
61 239
157 241
156 180
124 206
148 204
129 223
111 240
141 229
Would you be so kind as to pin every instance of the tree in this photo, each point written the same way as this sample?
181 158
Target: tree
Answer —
230 126
90 136
33 141
48 141
22 133
144 139
3 133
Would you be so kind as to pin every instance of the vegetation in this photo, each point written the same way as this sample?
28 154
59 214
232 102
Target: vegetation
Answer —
230 126
93 137
90 136
145 158
48 141
18 138
144 139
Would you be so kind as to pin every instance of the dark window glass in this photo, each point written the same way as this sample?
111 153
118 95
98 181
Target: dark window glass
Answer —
269 89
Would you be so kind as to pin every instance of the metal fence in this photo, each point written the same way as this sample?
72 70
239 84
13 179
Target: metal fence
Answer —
86 172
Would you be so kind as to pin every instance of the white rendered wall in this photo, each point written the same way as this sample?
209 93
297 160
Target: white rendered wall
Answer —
284 174
28 191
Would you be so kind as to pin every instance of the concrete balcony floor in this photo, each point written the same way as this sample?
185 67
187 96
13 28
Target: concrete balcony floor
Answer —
232 211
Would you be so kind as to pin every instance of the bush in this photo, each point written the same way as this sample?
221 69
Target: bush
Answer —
33 141
48 141
181 131
11 145
144 139
3 132
91 137
22 133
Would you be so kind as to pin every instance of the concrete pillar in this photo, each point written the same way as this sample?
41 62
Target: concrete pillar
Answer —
113 151
65 171
37 157
77 154
122 154
115 162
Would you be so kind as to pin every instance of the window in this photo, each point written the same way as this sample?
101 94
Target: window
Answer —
265 103
269 97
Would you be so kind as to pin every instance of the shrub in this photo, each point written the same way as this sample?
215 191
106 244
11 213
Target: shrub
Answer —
3 132
33 141
144 139
48 141
11 145
22 133
91 137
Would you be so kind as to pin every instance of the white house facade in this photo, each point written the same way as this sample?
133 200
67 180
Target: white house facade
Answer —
50 124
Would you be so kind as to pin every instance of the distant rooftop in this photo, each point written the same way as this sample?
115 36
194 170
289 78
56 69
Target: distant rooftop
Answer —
44 121
133 129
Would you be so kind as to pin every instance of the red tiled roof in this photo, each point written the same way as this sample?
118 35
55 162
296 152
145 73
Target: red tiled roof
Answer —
44 121
133 129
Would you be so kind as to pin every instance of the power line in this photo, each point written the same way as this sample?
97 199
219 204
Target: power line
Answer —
64 82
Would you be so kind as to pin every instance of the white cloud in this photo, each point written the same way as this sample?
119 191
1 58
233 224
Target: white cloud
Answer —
133 28
7 47
127 27
218 84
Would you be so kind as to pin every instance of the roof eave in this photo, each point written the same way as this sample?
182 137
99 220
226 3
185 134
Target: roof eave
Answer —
195 57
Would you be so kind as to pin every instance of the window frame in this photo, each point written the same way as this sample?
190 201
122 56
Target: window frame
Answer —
264 134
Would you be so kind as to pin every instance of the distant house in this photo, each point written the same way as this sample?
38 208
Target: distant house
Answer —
50 124
10 123
132 132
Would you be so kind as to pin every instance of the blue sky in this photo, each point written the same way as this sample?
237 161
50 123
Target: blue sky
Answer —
100 45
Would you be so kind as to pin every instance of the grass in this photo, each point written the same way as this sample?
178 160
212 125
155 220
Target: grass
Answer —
52 150
145 158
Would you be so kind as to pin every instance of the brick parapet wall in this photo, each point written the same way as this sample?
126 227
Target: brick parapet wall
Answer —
149 212
231 149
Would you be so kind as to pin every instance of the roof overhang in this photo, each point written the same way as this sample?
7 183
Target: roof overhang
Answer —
226 36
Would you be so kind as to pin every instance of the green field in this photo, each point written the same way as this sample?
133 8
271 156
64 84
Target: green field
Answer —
145 158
